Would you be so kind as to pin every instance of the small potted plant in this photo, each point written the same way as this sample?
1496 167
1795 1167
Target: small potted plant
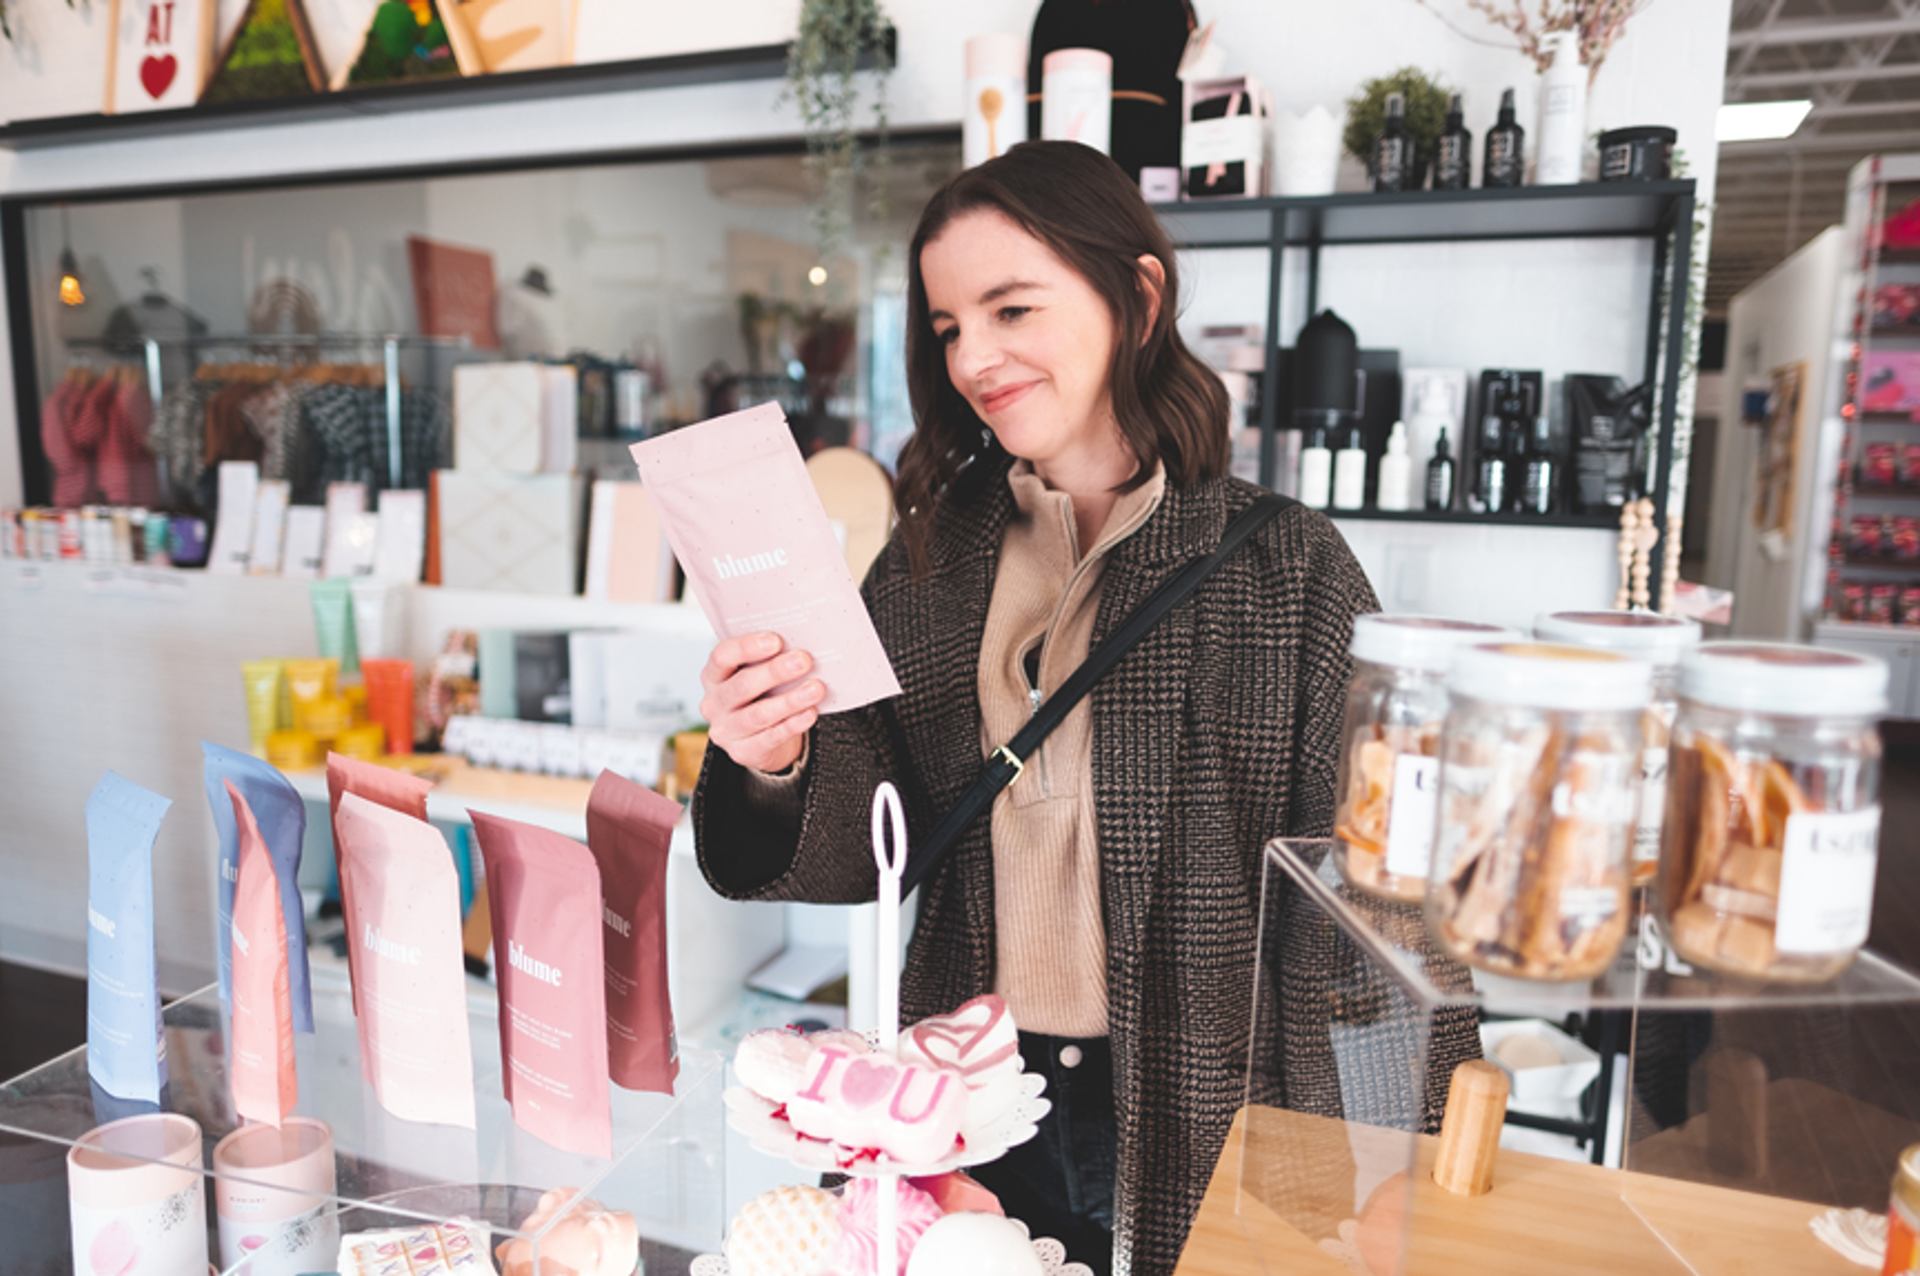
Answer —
829 44
1426 100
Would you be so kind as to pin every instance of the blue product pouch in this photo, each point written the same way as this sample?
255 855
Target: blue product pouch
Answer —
126 1049
282 815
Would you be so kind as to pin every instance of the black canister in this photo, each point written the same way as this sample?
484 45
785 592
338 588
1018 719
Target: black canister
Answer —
1325 363
1642 154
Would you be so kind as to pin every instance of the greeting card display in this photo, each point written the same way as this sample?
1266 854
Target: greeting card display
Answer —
160 54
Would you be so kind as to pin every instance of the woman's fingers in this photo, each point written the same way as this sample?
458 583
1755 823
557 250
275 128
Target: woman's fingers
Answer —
765 714
779 747
729 654
753 681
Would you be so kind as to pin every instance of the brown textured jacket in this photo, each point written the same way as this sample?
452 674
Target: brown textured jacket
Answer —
1218 732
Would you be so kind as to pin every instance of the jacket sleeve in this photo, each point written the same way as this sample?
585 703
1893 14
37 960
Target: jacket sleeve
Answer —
1338 593
803 837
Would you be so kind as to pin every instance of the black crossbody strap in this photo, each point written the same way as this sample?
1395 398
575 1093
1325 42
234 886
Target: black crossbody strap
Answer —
1004 766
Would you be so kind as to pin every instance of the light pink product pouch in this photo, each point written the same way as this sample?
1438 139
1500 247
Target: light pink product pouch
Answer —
393 789
629 831
405 946
260 1056
747 526
545 894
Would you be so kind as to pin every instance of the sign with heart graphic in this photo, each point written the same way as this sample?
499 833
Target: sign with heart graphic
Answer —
977 1039
909 1112
160 55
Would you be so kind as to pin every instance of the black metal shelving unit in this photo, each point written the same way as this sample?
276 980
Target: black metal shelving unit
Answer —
1658 211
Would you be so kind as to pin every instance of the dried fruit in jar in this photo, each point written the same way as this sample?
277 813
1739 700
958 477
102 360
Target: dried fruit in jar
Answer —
1364 820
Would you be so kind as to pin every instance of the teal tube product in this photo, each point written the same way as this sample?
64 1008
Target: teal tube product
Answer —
126 1049
282 815
499 686
333 623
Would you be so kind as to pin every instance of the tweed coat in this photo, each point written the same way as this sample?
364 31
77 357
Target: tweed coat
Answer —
1219 731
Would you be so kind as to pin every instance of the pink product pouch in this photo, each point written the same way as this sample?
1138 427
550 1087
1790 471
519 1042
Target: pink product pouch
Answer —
395 790
747 526
545 894
629 831
260 1063
405 946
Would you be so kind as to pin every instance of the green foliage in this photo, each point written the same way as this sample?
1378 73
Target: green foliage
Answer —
1426 112
832 36
5 29
394 30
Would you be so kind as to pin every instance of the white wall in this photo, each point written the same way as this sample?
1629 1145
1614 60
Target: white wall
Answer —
1789 316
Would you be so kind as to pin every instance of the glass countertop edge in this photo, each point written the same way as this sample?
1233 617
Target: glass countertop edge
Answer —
1870 980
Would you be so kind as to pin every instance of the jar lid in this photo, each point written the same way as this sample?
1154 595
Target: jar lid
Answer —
1785 678
1640 133
1077 60
997 53
1426 643
1646 635
1541 675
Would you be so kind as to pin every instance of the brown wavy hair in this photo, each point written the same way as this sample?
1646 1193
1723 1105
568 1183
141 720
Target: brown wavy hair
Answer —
1076 201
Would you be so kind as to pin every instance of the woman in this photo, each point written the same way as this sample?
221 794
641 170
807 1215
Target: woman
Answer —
1071 453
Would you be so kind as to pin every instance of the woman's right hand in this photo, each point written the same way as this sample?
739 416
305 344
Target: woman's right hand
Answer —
759 731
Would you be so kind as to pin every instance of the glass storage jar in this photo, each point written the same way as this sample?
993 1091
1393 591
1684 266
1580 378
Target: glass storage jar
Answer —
1773 809
1539 786
1660 641
1390 752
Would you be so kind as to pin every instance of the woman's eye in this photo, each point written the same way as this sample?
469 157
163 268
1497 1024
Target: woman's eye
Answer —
946 336
1009 314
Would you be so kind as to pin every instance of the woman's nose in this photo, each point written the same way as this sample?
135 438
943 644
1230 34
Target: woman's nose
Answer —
969 357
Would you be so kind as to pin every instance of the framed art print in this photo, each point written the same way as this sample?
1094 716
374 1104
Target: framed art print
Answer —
159 54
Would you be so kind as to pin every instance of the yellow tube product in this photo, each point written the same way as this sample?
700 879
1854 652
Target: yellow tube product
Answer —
310 680
264 679
366 742
293 750
326 716
355 694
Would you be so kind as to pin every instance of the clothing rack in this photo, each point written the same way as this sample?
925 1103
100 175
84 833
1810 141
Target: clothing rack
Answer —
390 343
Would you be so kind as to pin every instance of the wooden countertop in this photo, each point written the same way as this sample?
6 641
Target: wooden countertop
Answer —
1542 1215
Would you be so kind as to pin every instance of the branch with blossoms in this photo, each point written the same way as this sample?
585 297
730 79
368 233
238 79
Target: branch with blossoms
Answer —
1597 22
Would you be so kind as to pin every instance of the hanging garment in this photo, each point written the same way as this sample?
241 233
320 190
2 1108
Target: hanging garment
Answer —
68 467
127 470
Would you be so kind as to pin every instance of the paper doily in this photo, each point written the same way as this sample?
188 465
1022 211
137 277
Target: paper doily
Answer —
1051 1253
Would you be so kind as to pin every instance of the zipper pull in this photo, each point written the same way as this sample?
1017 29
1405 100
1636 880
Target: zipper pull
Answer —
1034 696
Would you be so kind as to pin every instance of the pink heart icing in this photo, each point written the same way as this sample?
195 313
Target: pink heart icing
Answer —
864 1084
960 1039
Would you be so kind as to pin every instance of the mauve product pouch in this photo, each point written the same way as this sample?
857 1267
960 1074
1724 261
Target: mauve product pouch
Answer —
629 831
395 790
260 1063
547 954
126 1049
282 818
747 526
405 942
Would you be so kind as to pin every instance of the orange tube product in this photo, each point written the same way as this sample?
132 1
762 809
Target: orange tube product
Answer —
390 700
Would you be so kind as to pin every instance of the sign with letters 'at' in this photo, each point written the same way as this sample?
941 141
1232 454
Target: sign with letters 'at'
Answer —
161 53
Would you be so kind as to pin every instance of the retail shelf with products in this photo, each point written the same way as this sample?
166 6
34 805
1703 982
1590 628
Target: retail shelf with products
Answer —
757 62
666 1168
1698 1048
1660 212
1605 521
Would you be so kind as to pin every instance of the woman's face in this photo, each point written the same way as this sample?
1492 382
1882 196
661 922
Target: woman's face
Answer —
1028 340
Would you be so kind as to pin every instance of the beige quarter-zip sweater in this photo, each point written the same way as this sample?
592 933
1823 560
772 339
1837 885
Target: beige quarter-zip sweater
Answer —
1051 958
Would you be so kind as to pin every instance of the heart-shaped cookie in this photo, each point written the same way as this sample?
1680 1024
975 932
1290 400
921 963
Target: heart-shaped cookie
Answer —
977 1039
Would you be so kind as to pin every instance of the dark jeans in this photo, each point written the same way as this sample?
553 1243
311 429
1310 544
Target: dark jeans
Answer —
1060 1182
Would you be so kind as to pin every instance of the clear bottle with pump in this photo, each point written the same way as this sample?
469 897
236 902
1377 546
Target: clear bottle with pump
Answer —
1393 149
1540 486
1440 472
1316 471
1453 157
1350 473
1505 164
1562 138
1396 472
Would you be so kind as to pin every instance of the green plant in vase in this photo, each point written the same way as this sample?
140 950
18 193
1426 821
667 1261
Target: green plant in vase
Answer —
1426 100
832 37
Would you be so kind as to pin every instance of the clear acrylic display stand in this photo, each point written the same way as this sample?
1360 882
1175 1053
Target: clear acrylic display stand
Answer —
667 1167
1750 1108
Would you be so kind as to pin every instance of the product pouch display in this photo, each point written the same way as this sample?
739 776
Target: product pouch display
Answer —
260 1058
748 528
544 892
126 1050
395 790
407 968
629 831
281 814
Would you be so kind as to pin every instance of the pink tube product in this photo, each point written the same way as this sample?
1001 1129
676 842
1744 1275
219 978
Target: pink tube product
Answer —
746 523
629 830
260 1056
405 942
544 891
393 789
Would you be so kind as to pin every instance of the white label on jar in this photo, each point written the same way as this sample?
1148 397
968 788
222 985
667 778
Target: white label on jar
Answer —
1653 805
1826 881
1411 812
1589 905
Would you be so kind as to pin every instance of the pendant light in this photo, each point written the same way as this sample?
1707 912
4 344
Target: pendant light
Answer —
70 290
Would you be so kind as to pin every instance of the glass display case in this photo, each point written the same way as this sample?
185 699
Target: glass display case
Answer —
1749 1108
368 1169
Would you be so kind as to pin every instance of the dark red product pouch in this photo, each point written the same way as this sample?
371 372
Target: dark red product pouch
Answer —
630 832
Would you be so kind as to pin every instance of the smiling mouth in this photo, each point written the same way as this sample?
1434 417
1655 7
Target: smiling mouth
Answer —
997 399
